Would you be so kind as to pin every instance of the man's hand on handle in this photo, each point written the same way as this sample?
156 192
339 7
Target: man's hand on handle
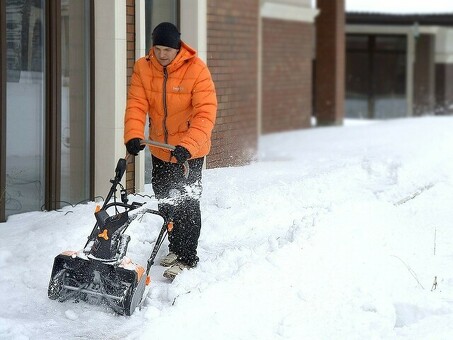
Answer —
133 146
181 154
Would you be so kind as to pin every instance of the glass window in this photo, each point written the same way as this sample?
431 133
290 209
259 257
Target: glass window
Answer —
27 78
357 84
25 106
376 76
391 43
357 42
75 111
157 11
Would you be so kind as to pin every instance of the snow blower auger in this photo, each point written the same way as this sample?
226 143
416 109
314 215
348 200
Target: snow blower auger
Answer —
101 273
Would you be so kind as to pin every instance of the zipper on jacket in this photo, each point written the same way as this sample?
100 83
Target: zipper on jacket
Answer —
164 99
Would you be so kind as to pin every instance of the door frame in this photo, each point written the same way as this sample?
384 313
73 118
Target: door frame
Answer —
52 149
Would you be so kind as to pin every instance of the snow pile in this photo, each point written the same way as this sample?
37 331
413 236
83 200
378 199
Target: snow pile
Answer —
335 233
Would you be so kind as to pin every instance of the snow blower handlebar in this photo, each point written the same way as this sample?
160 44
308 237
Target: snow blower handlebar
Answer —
122 164
119 172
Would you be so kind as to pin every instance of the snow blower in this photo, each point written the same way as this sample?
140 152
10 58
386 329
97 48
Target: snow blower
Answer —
101 273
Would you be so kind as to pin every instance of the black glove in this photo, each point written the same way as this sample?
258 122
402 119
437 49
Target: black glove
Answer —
133 146
181 154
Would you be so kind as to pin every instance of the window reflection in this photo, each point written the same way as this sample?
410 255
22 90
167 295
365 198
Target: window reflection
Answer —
74 100
26 112
157 11
25 106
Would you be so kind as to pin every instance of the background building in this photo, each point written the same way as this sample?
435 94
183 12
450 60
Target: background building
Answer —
66 66
398 64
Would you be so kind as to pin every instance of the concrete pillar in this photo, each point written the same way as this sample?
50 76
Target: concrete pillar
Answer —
444 71
110 88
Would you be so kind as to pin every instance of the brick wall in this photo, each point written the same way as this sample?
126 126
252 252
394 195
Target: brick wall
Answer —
330 62
233 60
286 75
130 34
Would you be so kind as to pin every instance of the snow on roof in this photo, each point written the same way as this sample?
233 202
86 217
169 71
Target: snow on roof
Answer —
400 7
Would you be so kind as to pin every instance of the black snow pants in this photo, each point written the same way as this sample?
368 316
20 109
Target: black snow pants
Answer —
179 199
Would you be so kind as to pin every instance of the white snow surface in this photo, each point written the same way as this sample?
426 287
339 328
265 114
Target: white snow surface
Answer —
333 233
400 6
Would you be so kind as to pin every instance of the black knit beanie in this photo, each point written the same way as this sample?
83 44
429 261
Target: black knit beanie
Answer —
166 34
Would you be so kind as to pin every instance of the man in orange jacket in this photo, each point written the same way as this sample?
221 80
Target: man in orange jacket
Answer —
174 87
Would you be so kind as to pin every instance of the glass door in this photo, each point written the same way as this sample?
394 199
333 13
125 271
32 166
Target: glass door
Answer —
25 86
75 108
157 11
46 160
376 76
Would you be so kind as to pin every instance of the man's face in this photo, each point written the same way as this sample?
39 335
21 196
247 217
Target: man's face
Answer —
164 54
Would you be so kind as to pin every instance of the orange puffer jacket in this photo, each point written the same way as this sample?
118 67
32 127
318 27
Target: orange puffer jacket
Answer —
181 102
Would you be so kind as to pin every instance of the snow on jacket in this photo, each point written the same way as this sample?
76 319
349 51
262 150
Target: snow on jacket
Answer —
180 99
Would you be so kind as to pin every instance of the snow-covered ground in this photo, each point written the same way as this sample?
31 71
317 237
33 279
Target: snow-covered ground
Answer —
335 233
398 7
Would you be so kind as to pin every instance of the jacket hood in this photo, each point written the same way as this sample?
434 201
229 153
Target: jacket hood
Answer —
185 53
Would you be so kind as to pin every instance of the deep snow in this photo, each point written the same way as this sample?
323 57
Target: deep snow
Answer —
334 233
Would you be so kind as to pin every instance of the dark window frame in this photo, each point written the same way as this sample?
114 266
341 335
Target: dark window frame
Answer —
2 110
52 105
92 101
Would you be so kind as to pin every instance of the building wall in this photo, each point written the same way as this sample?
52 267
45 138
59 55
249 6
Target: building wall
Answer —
330 62
232 57
286 75
130 36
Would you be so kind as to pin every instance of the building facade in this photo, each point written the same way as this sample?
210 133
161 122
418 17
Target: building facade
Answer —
66 64
398 65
